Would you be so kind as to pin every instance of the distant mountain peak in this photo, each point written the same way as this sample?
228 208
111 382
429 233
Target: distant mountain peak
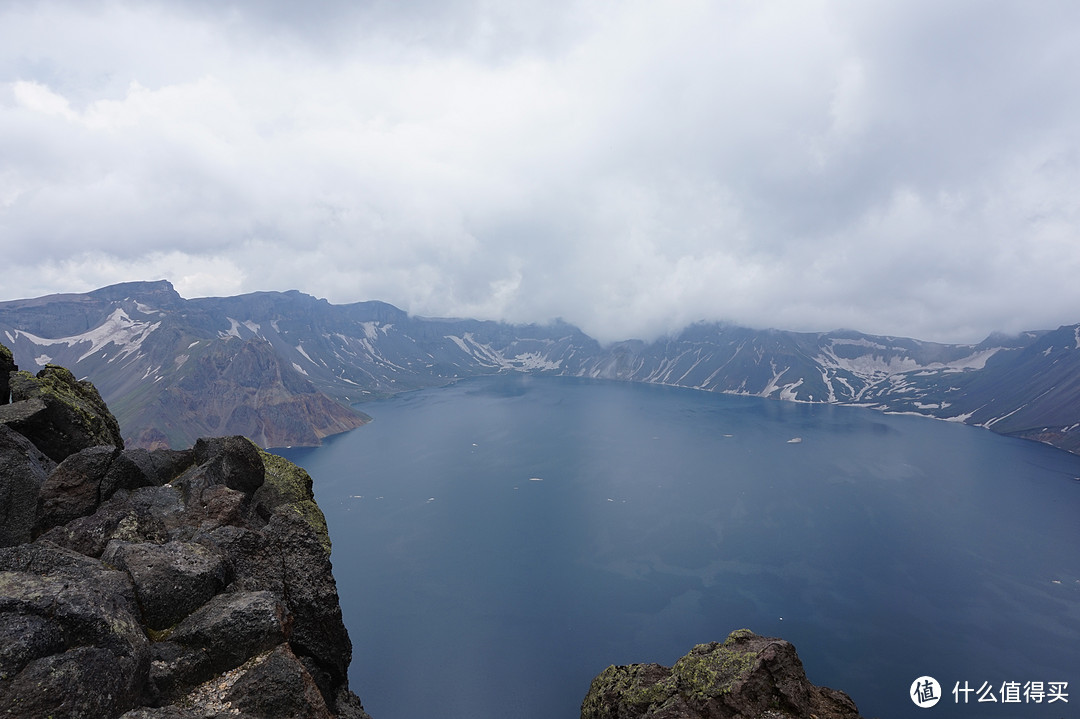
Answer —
166 364
157 290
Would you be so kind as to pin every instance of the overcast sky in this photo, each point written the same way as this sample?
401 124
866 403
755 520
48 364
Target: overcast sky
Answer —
907 167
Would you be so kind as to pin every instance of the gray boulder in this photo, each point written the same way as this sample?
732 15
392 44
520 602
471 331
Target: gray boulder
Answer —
233 627
80 683
26 637
232 461
74 488
171 580
144 515
279 687
82 652
23 469
58 413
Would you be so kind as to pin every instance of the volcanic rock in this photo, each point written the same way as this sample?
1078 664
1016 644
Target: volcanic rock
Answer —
745 677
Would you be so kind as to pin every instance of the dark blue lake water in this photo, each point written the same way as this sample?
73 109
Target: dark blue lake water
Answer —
499 542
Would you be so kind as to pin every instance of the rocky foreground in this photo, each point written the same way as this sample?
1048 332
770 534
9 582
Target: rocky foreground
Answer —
745 677
157 584
196 584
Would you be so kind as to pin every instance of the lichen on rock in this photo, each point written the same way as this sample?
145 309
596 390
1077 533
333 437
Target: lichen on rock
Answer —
745 676
288 488
58 413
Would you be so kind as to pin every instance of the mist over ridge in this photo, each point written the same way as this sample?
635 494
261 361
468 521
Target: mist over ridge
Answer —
286 368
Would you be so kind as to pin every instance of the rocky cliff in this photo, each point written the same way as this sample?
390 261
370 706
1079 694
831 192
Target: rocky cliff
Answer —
745 677
158 584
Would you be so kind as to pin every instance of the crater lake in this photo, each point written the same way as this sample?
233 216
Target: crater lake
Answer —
498 542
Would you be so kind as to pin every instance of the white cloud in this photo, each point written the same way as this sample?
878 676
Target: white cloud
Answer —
82 271
905 168
38 98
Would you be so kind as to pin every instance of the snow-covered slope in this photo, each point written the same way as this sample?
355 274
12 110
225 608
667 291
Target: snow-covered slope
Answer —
166 363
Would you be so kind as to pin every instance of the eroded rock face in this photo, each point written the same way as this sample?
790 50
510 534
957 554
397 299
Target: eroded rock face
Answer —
129 578
747 676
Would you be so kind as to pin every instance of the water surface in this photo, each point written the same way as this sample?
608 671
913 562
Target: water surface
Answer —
498 542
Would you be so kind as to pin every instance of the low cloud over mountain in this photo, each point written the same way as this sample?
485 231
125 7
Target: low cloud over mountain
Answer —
284 368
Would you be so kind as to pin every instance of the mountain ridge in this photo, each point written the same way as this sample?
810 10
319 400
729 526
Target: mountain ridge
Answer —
289 368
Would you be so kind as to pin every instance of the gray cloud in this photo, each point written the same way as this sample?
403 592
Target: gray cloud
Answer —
904 168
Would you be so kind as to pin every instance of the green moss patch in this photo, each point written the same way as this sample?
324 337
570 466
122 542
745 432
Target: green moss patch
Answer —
288 489
710 670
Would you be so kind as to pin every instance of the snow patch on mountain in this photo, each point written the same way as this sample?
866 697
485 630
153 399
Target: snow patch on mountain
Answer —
773 384
147 309
859 343
479 351
493 357
484 353
867 366
828 383
876 367
300 349
534 361
962 418
787 392
976 360
233 331
991 422
459 342
117 329
692 368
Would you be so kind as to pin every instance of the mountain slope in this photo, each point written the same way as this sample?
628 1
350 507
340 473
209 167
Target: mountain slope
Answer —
168 371
283 367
